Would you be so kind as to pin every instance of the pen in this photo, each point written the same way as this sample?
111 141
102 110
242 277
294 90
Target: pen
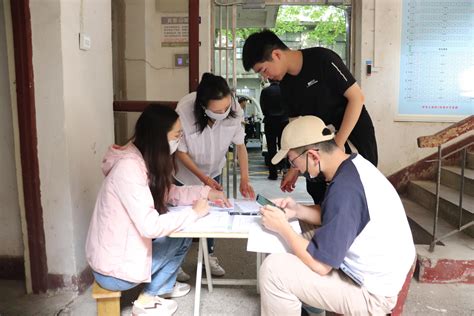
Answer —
249 214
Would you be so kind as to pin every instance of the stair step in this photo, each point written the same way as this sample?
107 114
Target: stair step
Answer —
448 194
451 177
470 160
424 193
451 262
424 218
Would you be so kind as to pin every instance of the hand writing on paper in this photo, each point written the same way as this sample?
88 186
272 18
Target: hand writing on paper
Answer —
273 219
218 198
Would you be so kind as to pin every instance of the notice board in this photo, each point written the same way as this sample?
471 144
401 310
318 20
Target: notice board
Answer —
437 60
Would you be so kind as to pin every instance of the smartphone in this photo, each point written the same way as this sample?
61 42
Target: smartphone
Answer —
264 201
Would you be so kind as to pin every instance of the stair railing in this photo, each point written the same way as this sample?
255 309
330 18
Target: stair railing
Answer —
438 140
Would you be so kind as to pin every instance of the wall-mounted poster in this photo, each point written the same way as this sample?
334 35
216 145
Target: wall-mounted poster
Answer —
174 31
437 60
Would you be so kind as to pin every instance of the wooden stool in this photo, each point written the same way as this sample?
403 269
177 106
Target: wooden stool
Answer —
108 302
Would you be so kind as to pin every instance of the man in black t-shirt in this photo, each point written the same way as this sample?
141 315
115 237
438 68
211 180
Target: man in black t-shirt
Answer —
275 117
314 81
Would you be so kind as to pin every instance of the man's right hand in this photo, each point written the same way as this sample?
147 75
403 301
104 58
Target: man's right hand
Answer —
289 205
288 183
201 207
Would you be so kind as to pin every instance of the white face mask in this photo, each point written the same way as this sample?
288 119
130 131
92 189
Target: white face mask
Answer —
173 145
217 116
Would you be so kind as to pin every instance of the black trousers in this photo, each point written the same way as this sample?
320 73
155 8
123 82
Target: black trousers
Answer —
363 139
273 128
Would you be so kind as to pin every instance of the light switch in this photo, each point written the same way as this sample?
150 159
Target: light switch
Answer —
84 41
181 60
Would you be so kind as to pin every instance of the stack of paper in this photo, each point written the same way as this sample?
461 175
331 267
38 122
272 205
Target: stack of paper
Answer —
265 241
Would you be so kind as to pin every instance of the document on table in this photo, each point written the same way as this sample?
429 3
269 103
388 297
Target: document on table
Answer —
265 241
246 207
220 219
244 223
215 221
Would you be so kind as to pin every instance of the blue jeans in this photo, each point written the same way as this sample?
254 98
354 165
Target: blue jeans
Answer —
167 256
210 241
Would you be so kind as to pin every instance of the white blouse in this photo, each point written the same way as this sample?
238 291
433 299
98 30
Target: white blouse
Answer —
206 149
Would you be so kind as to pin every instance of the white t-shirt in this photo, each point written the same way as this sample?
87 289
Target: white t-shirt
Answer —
364 230
207 148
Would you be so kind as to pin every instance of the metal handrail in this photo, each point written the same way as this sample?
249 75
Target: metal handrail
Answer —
437 140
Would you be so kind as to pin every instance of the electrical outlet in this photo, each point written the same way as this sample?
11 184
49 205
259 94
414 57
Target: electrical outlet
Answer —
84 41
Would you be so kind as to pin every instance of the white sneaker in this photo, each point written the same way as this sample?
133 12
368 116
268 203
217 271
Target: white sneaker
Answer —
216 269
182 276
156 307
179 289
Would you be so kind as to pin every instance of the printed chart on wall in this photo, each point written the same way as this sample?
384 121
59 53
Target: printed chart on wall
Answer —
437 60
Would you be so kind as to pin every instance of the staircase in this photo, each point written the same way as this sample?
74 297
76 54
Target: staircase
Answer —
448 258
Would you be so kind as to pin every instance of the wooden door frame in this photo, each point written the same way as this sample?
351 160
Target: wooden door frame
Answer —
22 44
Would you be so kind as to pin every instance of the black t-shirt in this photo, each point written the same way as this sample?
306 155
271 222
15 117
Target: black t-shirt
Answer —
319 87
272 104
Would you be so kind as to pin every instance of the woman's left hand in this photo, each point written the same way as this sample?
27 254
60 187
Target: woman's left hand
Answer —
218 198
246 190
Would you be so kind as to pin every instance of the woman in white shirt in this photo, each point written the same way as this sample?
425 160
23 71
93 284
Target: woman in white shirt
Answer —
211 121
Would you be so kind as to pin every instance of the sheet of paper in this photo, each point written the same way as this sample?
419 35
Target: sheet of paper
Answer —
265 241
215 222
177 208
244 223
219 220
215 207
246 206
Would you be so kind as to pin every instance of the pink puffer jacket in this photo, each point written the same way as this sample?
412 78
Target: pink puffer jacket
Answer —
125 220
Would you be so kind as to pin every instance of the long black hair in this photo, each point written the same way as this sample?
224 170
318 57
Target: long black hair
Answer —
211 87
151 139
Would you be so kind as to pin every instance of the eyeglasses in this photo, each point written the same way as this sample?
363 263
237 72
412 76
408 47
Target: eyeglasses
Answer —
292 164
292 160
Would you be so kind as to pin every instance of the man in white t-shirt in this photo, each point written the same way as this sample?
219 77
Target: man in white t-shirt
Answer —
359 256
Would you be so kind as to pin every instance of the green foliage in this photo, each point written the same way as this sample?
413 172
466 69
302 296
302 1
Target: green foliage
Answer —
327 30
323 24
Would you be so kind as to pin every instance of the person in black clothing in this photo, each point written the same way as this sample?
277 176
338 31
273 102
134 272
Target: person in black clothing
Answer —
314 81
275 117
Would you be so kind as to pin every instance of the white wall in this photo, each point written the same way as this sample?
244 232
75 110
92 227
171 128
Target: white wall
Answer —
88 107
164 82
52 144
170 83
73 95
10 234
150 71
396 140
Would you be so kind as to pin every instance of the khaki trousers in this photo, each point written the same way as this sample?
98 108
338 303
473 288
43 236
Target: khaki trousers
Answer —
285 282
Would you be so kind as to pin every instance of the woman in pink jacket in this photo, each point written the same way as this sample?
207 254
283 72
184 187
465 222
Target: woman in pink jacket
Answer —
128 241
